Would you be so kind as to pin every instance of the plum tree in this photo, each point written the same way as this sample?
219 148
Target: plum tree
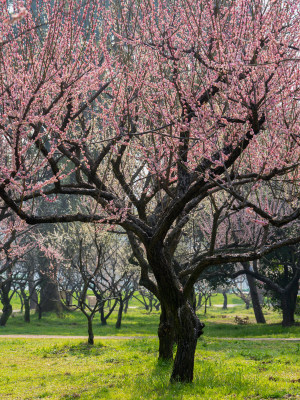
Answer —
144 111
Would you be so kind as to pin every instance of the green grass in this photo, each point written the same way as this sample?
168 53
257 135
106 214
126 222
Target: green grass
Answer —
65 370
219 323
135 322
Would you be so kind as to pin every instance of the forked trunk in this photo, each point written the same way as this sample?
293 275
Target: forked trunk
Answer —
104 317
178 319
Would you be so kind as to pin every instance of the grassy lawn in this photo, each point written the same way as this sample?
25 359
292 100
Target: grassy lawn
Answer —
123 369
65 369
219 323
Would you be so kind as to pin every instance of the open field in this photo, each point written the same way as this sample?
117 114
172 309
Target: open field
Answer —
219 323
64 369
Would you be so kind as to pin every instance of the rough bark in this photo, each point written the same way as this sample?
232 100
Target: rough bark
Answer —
188 329
50 299
177 308
166 335
5 300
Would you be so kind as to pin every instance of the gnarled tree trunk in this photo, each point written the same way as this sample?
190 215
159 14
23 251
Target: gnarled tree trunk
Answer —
188 329
166 335
50 299
177 311
5 300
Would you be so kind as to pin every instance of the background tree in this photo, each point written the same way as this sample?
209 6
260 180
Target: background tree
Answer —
279 273
15 245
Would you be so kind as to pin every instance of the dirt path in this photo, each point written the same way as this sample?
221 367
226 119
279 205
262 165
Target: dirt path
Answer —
136 337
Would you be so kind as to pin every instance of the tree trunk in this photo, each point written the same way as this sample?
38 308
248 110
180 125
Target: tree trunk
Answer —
5 300
50 299
90 330
199 301
258 312
33 296
166 335
6 313
126 306
287 312
288 305
150 303
22 302
156 305
188 329
120 313
224 300
39 310
102 316
27 309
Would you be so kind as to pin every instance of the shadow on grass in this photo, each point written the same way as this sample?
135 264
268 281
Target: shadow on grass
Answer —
82 349
216 329
224 370
73 323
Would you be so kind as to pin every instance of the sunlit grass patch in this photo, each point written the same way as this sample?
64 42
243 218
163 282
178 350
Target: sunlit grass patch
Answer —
123 370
